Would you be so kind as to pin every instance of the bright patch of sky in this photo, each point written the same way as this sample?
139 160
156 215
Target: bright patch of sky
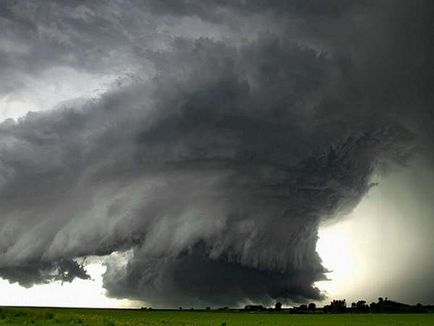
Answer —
51 87
79 293
378 249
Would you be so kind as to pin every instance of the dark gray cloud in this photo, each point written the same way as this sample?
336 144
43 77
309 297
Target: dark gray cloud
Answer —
215 173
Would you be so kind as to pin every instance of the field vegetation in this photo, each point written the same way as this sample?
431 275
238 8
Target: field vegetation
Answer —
112 317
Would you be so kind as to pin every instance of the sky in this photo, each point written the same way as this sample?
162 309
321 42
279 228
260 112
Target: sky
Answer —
215 153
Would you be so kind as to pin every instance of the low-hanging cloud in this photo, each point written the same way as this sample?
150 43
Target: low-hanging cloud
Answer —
215 173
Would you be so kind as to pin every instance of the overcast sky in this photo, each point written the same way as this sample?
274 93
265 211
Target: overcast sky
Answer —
216 152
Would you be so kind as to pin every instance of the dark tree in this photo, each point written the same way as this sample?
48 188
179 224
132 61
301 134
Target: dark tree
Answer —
338 306
311 306
278 306
326 309
302 308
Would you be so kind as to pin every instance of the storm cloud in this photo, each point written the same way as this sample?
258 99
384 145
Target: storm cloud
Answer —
239 128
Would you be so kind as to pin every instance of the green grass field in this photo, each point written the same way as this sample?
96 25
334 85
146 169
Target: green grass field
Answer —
57 316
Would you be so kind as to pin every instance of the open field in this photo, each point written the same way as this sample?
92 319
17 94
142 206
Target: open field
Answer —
107 317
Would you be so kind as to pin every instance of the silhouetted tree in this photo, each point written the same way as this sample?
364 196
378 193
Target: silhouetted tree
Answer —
278 306
311 306
302 308
338 306
326 309
360 306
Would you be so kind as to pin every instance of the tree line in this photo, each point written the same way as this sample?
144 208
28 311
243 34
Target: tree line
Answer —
335 307
340 306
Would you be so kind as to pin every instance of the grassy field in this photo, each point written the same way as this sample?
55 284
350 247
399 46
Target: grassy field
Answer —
57 316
